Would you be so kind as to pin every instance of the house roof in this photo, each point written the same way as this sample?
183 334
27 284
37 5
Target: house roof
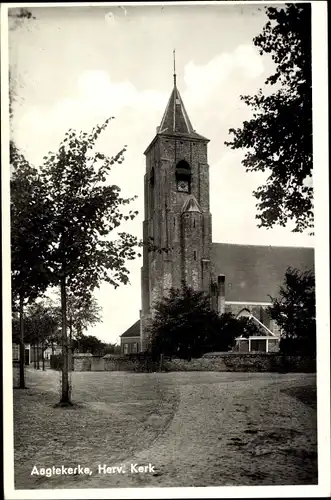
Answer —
133 331
254 272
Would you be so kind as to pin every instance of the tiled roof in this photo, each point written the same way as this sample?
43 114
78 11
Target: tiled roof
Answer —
175 120
253 272
133 331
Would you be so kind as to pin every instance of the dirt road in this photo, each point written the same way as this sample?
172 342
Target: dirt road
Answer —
231 432
213 429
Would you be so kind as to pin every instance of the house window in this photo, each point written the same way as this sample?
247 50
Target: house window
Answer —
195 255
126 349
134 347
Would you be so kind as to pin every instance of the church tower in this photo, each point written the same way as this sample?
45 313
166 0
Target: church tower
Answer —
177 216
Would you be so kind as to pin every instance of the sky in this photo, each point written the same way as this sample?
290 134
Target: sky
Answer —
76 66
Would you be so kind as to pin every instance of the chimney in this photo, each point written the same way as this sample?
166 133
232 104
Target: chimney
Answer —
221 294
157 129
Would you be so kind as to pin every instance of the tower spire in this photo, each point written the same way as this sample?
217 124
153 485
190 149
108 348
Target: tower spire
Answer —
175 119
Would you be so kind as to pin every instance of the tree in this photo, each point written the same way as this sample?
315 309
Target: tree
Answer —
85 210
29 211
112 349
28 279
247 327
89 343
278 138
82 312
222 338
294 311
184 325
41 325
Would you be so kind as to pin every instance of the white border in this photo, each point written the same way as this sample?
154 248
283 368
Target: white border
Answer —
322 255
320 144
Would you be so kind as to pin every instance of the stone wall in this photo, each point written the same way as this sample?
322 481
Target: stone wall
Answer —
219 362
201 364
139 363
83 362
244 362
97 364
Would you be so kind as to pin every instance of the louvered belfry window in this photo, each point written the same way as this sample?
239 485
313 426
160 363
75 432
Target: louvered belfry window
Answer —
183 176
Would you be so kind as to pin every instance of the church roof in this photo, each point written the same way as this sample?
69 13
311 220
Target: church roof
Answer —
191 205
175 120
133 331
253 272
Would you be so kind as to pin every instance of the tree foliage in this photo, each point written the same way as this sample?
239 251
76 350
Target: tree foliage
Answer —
112 349
278 138
85 209
41 324
184 325
30 229
82 312
295 312
89 343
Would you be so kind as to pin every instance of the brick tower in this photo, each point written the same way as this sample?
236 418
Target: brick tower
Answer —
177 213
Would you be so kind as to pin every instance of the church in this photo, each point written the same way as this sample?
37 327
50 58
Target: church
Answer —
239 278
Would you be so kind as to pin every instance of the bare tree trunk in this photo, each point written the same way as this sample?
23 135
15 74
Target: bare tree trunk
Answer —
65 399
22 346
43 355
70 343
34 357
38 353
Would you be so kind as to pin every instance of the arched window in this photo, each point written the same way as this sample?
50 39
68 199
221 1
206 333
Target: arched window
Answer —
183 176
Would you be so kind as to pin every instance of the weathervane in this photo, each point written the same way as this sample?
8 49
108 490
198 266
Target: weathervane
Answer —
174 53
